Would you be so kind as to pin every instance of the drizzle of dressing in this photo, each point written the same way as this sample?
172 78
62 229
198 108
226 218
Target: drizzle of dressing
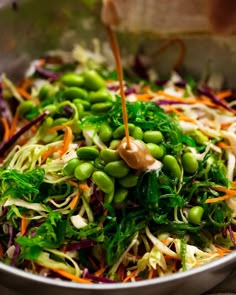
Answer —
133 152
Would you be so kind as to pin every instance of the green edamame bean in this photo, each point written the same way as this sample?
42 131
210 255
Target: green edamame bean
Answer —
120 131
137 133
72 79
128 181
45 91
117 169
59 121
51 108
25 107
86 104
156 151
83 171
152 136
114 144
170 163
100 96
195 215
109 155
190 163
75 92
87 153
101 107
104 182
80 108
93 81
198 136
108 197
70 166
120 195
105 132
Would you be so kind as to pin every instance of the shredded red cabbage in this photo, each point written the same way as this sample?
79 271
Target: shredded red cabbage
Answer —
15 255
207 92
166 102
86 274
47 74
232 237
80 245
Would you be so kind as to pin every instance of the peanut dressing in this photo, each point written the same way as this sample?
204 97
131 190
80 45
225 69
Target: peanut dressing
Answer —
133 152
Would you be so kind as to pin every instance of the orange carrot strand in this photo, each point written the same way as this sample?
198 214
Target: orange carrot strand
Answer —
14 123
150 274
84 187
130 276
73 183
74 201
24 93
218 199
71 277
23 225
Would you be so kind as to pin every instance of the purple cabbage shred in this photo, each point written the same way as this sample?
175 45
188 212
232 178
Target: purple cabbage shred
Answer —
15 255
203 90
80 245
100 279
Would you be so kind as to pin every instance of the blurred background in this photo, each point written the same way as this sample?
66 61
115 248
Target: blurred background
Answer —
30 27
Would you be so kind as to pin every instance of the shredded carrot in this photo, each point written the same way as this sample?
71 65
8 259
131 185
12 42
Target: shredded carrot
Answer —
73 183
171 109
105 212
202 99
24 93
218 199
223 145
41 62
26 83
223 94
14 123
67 137
226 125
165 241
144 97
150 274
187 119
69 276
130 276
84 187
47 153
225 190
100 271
6 129
23 225
74 201
223 249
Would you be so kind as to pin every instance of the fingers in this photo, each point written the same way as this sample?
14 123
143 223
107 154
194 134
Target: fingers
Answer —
222 15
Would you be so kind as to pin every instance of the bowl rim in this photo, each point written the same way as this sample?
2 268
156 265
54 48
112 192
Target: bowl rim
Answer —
228 259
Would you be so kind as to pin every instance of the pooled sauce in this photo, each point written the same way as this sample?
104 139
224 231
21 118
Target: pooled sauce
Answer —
137 156
133 152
